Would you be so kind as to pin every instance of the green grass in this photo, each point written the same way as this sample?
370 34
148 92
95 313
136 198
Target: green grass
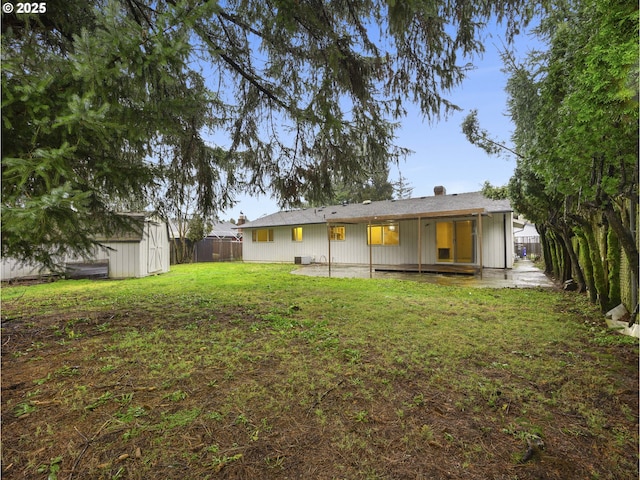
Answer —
248 369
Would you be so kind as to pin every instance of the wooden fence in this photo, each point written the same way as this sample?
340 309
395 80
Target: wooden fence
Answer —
213 250
530 245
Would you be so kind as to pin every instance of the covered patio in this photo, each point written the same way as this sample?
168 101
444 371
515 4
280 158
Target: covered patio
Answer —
524 274
471 266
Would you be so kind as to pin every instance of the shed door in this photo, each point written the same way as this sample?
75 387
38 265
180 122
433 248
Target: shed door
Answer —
154 263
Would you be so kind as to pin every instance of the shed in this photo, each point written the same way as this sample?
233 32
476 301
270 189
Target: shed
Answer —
129 255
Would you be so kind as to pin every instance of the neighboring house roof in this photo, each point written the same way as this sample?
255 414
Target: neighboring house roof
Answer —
219 230
224 230
527 230
433 206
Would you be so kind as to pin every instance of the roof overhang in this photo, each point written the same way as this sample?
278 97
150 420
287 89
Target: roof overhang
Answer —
409 216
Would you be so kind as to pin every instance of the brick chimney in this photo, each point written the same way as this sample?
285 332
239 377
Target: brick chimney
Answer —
241 220
439 190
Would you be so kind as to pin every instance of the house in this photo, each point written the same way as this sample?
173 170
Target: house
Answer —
527 239
125 255
442 233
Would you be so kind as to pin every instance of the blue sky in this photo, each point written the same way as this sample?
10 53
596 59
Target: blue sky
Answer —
441 154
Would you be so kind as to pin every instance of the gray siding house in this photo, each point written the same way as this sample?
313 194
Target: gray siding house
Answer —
456 233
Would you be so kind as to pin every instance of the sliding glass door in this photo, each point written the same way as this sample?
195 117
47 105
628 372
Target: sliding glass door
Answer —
455 241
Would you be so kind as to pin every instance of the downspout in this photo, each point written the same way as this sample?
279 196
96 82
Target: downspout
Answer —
504 227
419 245
480 242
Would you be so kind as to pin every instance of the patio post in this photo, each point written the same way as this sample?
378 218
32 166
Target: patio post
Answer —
329 240
419 244
480 242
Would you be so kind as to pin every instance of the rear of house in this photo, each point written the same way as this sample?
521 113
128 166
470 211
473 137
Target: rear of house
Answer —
456 230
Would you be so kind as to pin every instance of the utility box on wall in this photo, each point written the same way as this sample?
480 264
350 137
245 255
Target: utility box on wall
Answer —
302 260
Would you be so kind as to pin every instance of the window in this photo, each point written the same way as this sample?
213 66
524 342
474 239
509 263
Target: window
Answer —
383 234
337 233
296 234
262 235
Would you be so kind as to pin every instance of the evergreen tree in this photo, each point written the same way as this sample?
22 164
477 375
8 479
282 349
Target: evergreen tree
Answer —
575 110
402 188
100 97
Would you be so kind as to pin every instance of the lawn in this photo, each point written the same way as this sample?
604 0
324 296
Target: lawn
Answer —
245 371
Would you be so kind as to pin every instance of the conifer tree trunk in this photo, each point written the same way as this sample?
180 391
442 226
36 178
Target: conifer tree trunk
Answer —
576 270
613 260
625 237
599 278
585 256
546 250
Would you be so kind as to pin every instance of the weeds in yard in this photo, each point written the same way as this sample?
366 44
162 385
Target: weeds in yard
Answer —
176 396
67 371
215 416
24 408
101 400
426 432
361 416
523 430
179 419
125 399
131 413
218 463
51 469
352 355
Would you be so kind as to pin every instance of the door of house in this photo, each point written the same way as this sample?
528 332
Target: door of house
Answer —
455 241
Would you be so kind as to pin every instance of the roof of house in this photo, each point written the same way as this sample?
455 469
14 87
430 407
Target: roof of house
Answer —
433 206
527 230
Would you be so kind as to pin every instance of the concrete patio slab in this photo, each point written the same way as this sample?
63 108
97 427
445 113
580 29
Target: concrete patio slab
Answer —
523 275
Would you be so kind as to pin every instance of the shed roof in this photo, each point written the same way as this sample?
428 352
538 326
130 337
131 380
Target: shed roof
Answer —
433 206
124 234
